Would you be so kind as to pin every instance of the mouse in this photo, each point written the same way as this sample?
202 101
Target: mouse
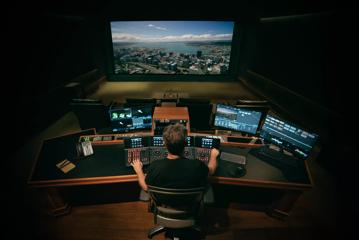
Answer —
241 171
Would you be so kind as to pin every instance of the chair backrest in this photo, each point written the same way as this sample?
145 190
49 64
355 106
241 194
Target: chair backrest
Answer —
175 208
176 198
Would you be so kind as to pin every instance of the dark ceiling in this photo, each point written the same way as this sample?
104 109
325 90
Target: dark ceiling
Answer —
163 10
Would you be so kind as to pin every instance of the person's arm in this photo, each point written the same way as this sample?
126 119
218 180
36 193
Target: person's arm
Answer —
212 163
137 166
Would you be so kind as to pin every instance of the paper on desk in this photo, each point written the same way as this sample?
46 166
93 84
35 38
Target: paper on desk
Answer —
65 166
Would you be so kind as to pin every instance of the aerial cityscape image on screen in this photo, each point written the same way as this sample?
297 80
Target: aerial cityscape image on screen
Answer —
172 47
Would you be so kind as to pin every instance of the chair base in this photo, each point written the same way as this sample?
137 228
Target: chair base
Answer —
155 230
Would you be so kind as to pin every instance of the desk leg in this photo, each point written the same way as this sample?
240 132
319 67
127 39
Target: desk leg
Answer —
56 204
281 208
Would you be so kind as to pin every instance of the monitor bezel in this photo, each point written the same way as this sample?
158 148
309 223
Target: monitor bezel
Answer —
263 109
233 68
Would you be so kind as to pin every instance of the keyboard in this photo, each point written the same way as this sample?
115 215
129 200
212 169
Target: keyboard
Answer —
157 153
141 154
189 152
203 154
275 157
235 158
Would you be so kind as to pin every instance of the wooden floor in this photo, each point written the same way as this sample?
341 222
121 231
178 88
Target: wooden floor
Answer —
130 220
315 215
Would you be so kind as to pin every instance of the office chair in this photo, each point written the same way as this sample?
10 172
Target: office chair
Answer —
176 211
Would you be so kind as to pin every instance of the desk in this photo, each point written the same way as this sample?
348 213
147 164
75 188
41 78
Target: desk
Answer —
107 166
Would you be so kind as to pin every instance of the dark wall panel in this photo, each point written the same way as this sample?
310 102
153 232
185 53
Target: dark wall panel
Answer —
291 52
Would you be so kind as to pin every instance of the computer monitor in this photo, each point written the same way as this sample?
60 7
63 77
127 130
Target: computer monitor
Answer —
288 136
155 50
141 102
91 113
199 111
130 119
206 142
245 119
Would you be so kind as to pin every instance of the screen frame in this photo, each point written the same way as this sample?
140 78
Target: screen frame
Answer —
230 77
259 108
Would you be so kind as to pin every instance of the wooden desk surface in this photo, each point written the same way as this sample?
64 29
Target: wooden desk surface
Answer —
171 113
107 166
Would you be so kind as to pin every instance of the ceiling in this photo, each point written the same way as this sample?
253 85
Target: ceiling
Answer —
162 10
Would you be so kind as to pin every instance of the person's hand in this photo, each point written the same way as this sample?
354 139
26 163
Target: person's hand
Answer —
137 165
212 163
214 152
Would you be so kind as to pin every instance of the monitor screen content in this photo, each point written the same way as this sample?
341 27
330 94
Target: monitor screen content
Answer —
129 119
157 141
207 142
288 136
171 47
136 142
239 119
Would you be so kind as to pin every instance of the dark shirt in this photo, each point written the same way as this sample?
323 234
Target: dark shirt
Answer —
177 173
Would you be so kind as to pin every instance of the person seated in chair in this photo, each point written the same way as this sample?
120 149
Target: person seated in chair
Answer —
175 171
